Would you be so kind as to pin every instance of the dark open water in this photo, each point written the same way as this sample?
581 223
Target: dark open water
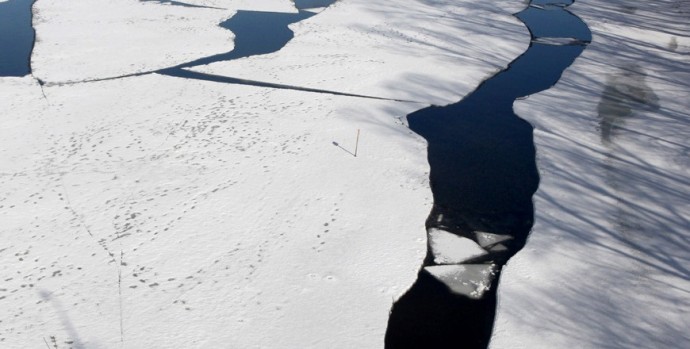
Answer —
483 176
16 37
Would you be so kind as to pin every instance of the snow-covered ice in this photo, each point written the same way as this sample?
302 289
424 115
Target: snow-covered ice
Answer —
154 211
606 265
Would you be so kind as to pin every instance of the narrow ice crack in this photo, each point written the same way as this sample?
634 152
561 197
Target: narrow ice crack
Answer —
82 223
183 73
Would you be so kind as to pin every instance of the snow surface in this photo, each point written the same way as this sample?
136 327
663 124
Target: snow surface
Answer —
157 212
606 265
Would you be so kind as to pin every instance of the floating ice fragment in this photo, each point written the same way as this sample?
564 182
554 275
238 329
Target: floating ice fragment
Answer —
471 280
559 41
449 248
488 239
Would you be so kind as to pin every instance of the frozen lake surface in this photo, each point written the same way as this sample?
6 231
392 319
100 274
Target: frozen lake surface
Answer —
162 190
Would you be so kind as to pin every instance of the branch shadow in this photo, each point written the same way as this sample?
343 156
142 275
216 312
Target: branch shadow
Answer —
67 324
614 204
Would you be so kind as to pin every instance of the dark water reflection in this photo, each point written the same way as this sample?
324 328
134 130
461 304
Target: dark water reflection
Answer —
16 37
483 176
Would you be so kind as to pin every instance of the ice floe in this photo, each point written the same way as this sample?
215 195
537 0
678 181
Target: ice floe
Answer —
449 248
471 280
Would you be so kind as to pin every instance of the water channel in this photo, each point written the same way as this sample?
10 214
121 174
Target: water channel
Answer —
16 37
483 176
256 33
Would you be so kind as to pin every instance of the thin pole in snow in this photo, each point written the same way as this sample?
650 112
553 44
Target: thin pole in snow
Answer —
357 143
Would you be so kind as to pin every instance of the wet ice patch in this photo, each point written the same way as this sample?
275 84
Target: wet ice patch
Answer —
449 248
471 280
